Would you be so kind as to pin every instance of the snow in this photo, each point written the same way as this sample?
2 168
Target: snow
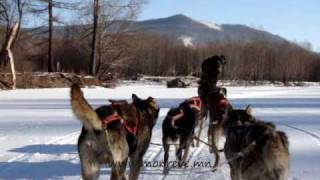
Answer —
187 40
212 25
38 133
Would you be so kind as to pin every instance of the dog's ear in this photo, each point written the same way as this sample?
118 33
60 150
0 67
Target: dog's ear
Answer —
223 91
135 98
150 99
248 109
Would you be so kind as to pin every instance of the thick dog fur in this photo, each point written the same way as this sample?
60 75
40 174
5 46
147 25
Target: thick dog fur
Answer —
200 116
148 111
217 118
211 68
83 111
265 150
181 130
98 145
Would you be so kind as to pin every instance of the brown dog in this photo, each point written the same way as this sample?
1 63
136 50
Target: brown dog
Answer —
211 68
219 108
102 139
256 150
141 116
199 111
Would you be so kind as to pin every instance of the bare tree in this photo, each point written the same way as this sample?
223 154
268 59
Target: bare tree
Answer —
96 8
109 22
10 15
50 22
39 7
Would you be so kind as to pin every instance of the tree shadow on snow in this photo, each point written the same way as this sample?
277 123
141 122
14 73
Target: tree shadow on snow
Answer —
47 149
57 169
38 170
45 168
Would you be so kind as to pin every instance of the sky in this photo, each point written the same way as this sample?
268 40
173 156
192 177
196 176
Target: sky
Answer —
295 20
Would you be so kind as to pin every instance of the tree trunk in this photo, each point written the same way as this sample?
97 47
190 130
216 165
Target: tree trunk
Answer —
50 54
94 38
8 53
13 70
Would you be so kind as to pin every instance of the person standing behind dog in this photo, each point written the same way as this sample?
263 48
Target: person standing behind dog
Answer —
210 70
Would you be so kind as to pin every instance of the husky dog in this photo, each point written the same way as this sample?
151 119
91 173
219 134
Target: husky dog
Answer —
256 150
141 116
211 68
200 115
102 139
179 125
219 109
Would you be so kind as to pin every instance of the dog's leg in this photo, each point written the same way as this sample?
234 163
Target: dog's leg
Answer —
183 149
186 151
216 133
90 169
179 149
194 141
235 175
210 139
199 131
118 171
166 148
122 170
137 163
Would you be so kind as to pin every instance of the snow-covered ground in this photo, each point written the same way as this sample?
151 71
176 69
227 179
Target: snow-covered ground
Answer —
38 132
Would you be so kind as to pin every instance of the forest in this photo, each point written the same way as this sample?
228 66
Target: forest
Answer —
87 46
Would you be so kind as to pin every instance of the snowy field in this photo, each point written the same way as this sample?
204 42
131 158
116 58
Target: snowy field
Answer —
38 132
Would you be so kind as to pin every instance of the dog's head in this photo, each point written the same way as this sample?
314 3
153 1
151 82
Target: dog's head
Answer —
213 64
242 116
148 108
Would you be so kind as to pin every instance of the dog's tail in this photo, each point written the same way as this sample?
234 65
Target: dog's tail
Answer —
83 111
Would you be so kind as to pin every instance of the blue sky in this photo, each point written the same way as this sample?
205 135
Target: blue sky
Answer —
296 20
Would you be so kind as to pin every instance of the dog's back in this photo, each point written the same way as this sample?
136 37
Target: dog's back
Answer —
265 152
182 126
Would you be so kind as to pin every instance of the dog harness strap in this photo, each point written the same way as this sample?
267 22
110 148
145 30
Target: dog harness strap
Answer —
195 103
131 130
111 118
176 117
223 103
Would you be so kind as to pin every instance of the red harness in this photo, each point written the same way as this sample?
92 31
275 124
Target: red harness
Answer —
133 130
111 118
116 117
195 103
176 117
223 102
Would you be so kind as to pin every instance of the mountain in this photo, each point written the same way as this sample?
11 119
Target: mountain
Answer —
191 31
184 29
